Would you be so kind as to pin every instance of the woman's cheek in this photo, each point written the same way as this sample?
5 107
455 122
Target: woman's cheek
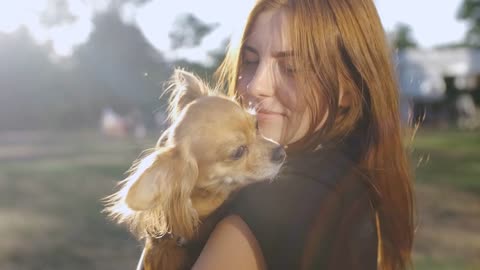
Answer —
242 83
273 128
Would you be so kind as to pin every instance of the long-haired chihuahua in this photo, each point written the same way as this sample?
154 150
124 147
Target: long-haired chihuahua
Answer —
211 149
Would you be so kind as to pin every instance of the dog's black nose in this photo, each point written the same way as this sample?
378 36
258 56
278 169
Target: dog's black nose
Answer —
278 155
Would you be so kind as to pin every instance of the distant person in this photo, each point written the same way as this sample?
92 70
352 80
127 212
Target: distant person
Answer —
466 111
112 124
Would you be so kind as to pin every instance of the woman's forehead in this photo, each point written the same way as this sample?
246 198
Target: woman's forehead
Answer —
269 32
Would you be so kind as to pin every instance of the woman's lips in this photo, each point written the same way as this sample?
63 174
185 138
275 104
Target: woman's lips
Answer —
264 114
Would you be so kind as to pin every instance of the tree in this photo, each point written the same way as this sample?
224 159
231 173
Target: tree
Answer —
188 31
401 37
470 11
206 71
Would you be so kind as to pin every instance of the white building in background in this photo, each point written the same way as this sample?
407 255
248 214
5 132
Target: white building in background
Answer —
430 78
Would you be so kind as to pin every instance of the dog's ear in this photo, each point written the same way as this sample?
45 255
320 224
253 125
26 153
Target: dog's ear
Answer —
185 87
165 180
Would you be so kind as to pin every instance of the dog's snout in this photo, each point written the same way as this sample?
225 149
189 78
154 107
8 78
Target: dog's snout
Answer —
278 155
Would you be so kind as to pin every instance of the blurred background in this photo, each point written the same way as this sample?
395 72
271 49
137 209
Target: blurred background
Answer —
80 82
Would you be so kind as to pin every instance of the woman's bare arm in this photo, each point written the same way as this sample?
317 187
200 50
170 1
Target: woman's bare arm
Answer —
231 246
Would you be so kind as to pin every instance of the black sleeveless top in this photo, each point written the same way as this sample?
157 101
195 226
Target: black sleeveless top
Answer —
317 214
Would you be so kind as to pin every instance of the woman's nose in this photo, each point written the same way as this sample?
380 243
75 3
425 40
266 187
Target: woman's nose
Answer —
262 84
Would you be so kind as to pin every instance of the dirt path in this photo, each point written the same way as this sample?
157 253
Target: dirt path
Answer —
448 225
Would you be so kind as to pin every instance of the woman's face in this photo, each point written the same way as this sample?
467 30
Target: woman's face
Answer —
266 79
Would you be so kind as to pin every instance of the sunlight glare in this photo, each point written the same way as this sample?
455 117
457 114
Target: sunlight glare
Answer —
63 36
20 13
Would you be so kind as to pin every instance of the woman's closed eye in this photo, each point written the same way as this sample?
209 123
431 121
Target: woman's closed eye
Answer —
250 56
287 67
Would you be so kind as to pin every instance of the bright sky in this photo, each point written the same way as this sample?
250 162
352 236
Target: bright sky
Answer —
433 21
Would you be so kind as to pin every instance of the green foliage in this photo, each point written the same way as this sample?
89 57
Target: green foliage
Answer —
470 12
402 37
107 71
116 68
206 71
188 31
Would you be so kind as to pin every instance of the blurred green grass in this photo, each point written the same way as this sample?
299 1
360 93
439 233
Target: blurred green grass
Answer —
51 185
450 158
447 173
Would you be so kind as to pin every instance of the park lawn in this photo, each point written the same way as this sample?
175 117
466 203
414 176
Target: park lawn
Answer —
449 158
448 199
51 185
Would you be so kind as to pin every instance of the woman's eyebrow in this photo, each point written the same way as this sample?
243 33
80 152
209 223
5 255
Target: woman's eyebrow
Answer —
282 54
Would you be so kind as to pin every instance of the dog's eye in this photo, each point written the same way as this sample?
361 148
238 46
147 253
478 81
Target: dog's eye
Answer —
239 152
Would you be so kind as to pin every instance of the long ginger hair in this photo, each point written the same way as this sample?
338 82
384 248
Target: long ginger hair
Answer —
339 47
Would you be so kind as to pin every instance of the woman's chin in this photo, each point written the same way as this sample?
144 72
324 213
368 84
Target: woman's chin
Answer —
271 133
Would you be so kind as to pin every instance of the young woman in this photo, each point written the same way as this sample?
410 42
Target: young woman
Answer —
319 74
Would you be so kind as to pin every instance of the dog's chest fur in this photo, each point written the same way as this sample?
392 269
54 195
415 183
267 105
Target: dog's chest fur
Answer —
163 254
